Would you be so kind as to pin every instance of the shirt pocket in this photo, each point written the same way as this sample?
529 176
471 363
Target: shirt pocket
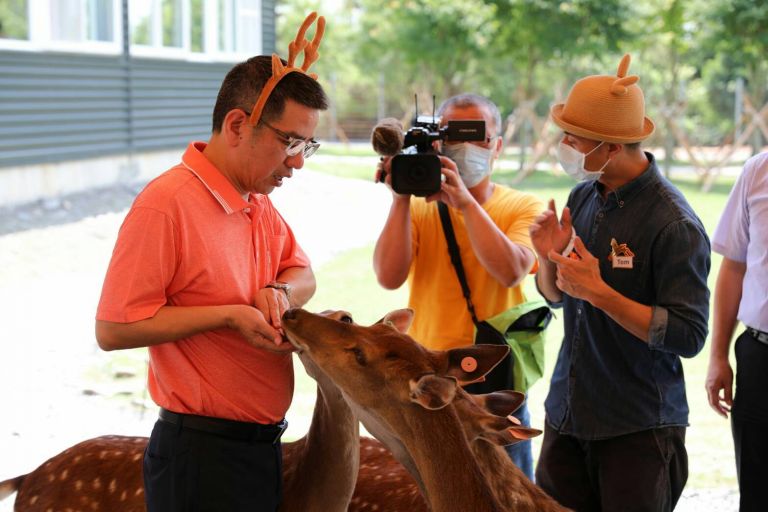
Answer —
630 282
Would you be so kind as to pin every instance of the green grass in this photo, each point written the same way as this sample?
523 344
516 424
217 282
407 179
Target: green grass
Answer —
345 150
357 168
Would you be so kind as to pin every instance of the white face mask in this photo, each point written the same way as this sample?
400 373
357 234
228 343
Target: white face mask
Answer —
572 162
474 162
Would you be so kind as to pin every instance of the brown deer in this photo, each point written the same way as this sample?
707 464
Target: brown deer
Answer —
403 393
108 469
106 472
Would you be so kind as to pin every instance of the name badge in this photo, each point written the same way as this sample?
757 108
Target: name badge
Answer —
621 255
622 261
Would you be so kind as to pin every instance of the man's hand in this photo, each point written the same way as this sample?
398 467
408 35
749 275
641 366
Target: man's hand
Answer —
452 192
252 326
580 278
272 303
550 234
384 175
719 386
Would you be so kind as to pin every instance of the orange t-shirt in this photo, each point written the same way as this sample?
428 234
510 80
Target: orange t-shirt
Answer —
190 239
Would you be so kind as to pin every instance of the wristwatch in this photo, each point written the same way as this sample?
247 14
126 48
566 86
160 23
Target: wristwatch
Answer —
279 285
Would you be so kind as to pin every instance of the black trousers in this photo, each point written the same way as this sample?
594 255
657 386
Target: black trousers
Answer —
644 471
749 423
192 471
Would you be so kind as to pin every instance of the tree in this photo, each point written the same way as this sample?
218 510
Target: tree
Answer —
735 44
13 19
430 46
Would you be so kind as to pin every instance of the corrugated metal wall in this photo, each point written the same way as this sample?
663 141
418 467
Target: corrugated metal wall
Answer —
60 106
171 102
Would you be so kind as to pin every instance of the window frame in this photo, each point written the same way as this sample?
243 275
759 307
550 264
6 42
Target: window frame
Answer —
39 33
39 38
210 34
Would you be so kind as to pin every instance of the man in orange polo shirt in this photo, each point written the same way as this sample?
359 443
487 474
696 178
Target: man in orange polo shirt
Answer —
203 268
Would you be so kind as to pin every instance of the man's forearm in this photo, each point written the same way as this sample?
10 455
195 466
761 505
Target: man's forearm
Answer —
302 284
505 260
545 281
170 323
393 253
728 291
632 316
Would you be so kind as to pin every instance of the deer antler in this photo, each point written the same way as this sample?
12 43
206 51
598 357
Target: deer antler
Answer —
311 53
295 47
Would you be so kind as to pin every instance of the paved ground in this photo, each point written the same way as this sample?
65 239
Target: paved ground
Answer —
59 389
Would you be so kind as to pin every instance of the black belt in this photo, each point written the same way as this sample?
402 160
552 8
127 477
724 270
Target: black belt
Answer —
240 430
760 336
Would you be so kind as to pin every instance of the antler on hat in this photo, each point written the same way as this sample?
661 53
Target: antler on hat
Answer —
606 108
299 44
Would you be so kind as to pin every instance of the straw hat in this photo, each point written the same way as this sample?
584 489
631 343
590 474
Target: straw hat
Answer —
605 108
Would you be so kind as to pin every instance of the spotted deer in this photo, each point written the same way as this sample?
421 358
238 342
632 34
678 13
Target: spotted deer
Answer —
410 398
105 472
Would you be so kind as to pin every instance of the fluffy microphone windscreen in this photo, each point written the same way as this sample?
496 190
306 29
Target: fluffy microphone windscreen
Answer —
387 137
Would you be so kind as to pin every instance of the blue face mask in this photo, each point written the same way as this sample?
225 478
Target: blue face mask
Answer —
474 162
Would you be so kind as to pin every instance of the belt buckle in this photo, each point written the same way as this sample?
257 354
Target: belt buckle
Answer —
283 425
758 335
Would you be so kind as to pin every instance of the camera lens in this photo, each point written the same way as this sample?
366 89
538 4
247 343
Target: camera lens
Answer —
418 174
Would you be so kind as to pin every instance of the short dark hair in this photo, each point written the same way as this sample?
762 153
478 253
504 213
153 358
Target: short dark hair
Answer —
244 82
472 100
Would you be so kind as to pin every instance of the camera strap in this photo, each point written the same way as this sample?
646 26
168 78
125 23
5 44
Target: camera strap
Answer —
453 249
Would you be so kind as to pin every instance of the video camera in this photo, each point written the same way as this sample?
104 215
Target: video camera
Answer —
416 166
417 169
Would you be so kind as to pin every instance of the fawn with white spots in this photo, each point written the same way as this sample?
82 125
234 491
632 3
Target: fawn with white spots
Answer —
320 470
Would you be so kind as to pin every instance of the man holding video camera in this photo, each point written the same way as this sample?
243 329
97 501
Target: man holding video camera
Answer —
490 222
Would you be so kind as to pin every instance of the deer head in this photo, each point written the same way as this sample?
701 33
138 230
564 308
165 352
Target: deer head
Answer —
406 390
365 361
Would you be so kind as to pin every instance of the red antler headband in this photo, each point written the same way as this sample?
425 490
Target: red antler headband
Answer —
294 48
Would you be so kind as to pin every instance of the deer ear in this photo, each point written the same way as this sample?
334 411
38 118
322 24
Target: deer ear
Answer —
500 403
470 364
433 392
510 435
400 319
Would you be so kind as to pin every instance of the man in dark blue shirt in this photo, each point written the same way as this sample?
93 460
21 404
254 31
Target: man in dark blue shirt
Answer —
628 261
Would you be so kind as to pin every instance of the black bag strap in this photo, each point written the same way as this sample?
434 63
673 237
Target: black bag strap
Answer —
453 249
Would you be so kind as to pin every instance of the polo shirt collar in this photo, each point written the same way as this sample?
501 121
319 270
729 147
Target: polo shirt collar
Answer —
216 183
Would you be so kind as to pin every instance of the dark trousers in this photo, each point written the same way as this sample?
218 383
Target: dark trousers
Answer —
749 423
644 471
189 470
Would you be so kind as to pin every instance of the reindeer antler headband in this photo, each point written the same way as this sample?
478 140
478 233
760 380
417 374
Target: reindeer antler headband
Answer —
294 49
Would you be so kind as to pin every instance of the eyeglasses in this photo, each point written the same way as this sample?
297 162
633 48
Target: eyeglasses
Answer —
293 146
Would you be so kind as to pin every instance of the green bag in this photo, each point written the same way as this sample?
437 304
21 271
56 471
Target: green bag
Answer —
523 329
520 327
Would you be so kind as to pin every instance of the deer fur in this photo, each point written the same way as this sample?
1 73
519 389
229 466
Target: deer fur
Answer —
406 391
382 484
